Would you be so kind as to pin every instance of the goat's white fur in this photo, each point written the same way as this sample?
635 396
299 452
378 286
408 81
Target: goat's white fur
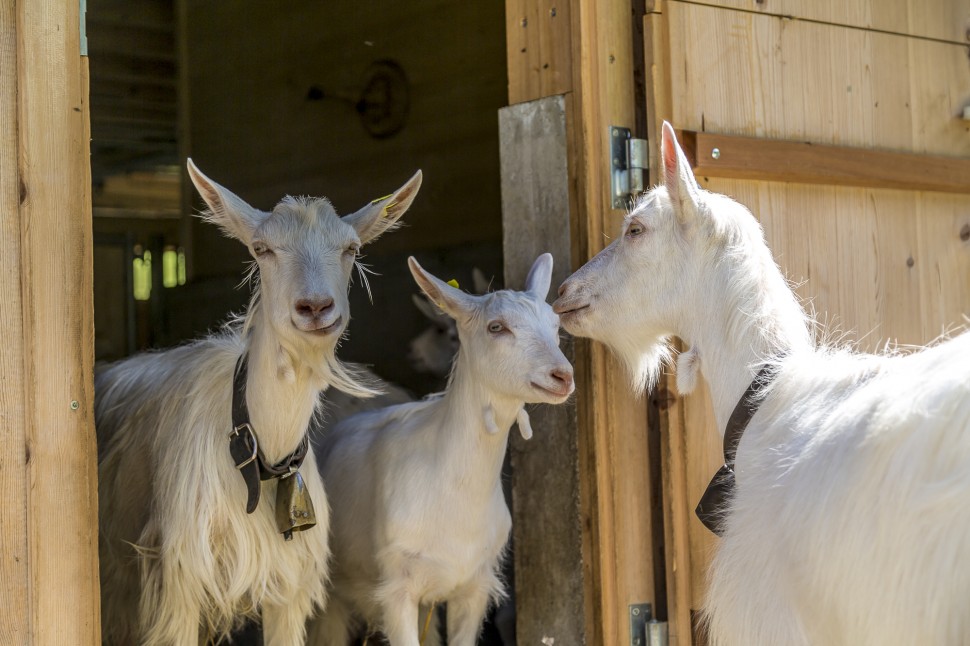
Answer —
416 495
181 561
851 521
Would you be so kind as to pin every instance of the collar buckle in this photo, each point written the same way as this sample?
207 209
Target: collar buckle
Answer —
235 432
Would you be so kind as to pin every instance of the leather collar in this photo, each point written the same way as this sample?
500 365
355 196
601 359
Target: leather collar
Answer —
712 508
244 445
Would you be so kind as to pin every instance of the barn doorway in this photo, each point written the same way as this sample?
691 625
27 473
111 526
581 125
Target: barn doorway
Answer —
344 99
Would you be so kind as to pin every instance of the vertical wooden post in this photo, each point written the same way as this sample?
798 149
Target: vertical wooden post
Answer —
48 458
547 529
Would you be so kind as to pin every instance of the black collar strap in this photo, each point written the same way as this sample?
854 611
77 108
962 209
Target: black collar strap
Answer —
244 446
712 508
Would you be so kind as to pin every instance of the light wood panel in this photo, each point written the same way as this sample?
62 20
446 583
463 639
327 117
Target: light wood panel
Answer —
538 48
14 608
878 264
745 74
938 19
49 519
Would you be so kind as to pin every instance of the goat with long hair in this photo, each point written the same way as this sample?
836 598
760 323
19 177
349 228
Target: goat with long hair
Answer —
182 562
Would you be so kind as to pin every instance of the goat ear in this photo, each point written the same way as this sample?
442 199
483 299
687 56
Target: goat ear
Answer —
227 210
453 302
540 277
381 216
678 176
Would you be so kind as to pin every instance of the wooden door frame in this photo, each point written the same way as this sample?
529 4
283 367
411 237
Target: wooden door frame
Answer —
48 455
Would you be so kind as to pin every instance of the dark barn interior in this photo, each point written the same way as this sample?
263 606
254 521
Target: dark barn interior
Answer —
340 99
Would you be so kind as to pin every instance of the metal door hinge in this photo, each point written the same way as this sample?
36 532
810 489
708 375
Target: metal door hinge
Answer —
82 26
645 630
628 160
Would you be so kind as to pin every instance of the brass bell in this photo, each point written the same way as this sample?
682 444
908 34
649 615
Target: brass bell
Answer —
294 509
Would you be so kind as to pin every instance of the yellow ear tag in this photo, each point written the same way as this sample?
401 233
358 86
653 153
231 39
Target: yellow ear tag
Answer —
453 283
386 206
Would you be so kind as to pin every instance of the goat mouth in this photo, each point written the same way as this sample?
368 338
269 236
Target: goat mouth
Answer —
558 394
571 311
327 329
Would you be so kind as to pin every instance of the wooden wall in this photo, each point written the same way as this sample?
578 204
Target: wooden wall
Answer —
878 264
257 124
48 509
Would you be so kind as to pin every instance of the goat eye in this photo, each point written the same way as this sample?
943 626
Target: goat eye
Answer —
635 229
352 249
495 327
261 248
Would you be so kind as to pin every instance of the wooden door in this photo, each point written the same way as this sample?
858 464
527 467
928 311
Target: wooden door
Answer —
877 264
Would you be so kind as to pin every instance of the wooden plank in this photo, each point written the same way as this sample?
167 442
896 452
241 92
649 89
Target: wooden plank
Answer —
538 48
57 326
943 257
14 588
614 461
536 216
761 76
937 19
716 155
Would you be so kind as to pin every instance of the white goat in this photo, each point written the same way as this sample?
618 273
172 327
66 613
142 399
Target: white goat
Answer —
850 524
416 494
181 561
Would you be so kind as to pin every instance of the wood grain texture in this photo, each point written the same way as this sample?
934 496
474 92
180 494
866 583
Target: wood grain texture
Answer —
539 49
14 588
808 163
56 327
939 19
737 73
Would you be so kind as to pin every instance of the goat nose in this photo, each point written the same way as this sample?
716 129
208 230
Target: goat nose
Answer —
313 307
562 376
563 288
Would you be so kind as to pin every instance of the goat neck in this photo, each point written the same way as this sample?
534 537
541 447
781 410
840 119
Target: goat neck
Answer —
282 391
466 437
743 326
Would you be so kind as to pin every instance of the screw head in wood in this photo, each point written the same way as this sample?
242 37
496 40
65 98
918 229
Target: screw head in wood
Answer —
74 404
716 153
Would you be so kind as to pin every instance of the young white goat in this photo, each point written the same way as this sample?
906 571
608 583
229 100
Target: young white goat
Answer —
416 495
850 524
181 560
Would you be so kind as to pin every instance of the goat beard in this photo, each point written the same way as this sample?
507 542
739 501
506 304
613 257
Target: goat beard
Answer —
645 362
